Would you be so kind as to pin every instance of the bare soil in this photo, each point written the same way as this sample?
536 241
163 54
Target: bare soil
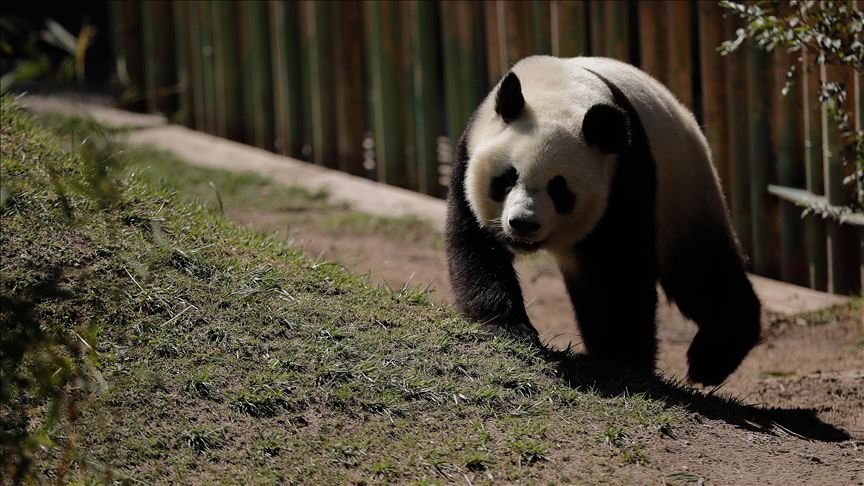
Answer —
799 412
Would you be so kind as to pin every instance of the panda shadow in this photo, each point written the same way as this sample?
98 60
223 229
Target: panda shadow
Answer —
582 372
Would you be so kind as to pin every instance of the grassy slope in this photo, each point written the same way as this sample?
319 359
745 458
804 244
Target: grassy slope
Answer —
228 355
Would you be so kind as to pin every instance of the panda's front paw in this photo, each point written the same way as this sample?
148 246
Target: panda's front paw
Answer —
713 356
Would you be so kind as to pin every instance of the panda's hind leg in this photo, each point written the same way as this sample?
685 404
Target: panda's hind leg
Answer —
706 279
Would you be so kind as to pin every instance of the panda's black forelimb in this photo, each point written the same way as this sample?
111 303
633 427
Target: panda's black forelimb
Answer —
484 283
614 288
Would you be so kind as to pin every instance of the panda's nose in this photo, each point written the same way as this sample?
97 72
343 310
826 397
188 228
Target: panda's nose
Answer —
524 226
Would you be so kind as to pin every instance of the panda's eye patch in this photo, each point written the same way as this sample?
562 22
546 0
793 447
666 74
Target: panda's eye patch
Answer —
501 185
561 196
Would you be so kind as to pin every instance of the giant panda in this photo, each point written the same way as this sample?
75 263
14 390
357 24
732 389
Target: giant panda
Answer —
596 162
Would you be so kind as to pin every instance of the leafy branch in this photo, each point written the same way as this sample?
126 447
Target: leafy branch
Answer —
825 33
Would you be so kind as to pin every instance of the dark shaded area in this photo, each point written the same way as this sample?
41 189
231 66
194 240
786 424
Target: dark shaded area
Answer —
618 257
28 338
27 19
605 378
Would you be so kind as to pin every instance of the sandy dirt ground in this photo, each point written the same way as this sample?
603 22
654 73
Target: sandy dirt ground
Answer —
801 391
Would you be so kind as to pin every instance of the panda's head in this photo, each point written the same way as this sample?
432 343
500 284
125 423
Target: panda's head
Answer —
541 169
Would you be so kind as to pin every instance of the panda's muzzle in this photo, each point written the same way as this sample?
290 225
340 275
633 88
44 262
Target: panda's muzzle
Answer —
522 226
523 233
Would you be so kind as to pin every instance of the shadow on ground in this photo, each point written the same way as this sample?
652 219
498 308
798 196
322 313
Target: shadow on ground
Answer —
583 372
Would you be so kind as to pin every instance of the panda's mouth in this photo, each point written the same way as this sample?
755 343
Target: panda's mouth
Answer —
524 246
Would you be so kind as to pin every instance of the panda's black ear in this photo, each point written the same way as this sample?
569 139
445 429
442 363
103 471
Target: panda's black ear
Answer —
509 101
607 127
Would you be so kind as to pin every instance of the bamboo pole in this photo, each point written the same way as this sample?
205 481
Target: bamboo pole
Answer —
426 100
383 35
760 156
183 115
815 226
208 74
617 26
517 29
256 74
653 33
843 244
405 80
679 50
148 46
317 27
134 97
160 68
541 25
858 114
229 103
196 64
739 168
788 131
464 73
285 61
494 19
714 93
569 32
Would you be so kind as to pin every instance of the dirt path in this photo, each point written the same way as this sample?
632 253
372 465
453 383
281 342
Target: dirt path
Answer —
810 370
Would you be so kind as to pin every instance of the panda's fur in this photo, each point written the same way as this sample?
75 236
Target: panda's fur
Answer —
598 163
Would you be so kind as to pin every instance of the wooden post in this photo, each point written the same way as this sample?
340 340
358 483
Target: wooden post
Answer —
858 114
383 35
788 131
405 81
843 246
229 103
133 97
426 102
494 19
317 29
568 28
464 75
257 89
680 51
760 157
196 64
739 168
714 94
610 31
517 30
183 115
815 182
597 24
653 34
148 44
208 75
115 32
453 94
349 87
167 77
284 43
541 28
617 25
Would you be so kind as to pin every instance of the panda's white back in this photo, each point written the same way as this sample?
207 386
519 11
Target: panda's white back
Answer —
562 90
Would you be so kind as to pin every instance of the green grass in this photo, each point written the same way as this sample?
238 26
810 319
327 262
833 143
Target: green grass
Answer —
220 191
227 355
404 228
239 194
